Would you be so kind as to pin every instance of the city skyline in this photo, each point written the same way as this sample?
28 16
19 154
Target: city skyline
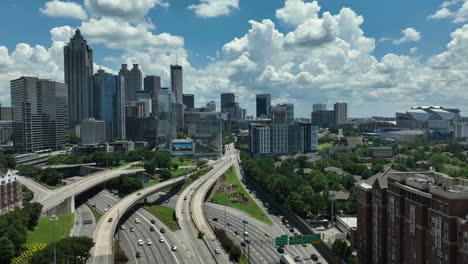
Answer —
411 50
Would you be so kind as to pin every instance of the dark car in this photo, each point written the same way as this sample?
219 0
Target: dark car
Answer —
162 230
280 250
247 241
138 254
152 228
153 221
215 219
314 257
110 220
291 230
236 232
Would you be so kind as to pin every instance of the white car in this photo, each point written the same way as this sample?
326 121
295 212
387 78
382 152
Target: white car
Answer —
183 211
140 242
161 239
218 251
148 242
246 233
137 221
105 209
174 248
122 227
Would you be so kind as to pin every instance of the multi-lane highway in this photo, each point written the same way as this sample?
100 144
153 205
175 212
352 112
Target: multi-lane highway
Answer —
85 223
104 233
157 252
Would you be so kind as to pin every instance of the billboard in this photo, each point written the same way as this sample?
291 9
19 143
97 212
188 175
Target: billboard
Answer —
182 146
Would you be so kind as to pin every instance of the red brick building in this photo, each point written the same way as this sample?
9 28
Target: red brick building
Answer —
409 217
11 192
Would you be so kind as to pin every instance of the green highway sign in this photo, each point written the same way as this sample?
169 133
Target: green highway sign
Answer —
314 239
297 240
281 241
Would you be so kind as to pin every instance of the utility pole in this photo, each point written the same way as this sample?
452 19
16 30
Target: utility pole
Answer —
54 219
332 198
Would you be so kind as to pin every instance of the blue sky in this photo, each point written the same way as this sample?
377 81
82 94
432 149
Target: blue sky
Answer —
396 71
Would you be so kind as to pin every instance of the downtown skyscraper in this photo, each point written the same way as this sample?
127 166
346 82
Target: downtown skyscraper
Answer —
40 114
78 66
133 81
177 85
263 105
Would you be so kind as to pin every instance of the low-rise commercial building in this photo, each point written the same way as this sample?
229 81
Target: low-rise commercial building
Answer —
11 191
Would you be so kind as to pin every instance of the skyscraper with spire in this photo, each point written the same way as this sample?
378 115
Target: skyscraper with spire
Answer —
78 68
177 85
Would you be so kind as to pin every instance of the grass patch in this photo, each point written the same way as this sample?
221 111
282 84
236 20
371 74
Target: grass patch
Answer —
52 187
243 260
135 166
183 162
181 171
165 214
325 145
150 183
45 230
96 214
252 209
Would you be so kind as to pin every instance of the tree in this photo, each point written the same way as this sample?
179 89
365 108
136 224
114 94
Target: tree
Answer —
165 175
73 250
150 167
50 177
33 210
7 161
73 139
7 250
163 160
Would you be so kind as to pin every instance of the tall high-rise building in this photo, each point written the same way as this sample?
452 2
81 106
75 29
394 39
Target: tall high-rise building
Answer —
263 105
93 131
167 129
227 101
6 113
412 217
133 79
289 112
211 106
145 97
323 118
189 101
78 68
341 113
40 114
153 84
177 85
111 107
319 107
279 114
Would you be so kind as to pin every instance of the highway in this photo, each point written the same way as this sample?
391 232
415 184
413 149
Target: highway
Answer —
83 213
105 229
51 198
159 252
276 219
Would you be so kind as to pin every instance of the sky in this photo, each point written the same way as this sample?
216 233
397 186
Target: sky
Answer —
378 56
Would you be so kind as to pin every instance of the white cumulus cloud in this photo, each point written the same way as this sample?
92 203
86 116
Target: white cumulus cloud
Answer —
296 12
409 35
58 8
214 8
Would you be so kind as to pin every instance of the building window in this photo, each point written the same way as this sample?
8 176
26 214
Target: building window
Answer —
446 231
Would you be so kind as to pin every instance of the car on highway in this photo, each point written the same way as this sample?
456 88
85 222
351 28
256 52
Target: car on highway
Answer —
161 239
185 198
215 219
105 209
243 244
229 224
140 242
314 257
138 194
298 258
236 232
267 235
137 221
291 230
162 230
218 251
174 248
110 220
153 221
246 233
132 229
152 228
304 245
148 242
248 241
183 211
122 227
280 250
137 254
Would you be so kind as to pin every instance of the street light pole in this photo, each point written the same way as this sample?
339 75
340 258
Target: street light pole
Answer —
54 219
